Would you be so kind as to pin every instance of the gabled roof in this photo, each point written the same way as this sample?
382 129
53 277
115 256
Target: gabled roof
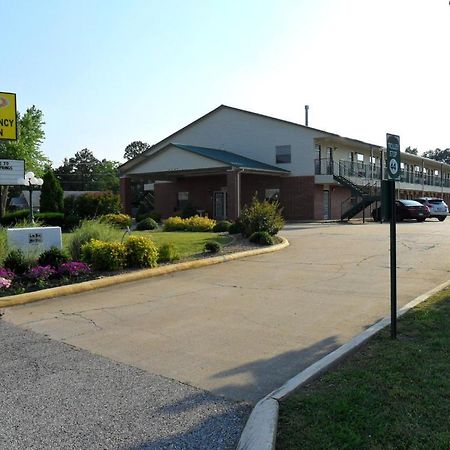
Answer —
233 159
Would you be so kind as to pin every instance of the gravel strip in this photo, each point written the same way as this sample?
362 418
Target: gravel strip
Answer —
55 396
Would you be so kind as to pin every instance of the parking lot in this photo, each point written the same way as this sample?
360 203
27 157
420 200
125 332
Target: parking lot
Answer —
242 328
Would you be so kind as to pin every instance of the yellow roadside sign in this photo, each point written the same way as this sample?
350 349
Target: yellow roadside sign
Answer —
8 116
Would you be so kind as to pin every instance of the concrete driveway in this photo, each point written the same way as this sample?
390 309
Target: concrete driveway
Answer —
242 328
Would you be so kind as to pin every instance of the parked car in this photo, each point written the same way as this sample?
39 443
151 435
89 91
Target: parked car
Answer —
406 209
438 208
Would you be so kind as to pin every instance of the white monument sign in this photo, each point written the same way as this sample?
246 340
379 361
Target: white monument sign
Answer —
33 241
11 170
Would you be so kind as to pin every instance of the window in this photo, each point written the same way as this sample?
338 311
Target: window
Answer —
283 154
360 157
183 199
272 195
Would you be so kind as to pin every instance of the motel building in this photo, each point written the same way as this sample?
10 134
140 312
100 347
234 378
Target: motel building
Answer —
217 163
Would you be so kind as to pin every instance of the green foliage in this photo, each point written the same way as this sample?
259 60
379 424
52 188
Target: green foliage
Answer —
103 255
261 216
168 252
146 224
195 223
27 147
261 237
17 262
189 211
52 195
88 206
152 214
235 228
134 149
411 151
13 217
118 220
220 227
90 229
438 155
3 244
84 172
141 252
53 257
212 247
51 219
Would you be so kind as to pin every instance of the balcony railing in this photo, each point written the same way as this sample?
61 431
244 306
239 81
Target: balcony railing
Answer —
372 171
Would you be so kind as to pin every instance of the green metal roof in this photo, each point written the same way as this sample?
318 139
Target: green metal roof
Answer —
230 158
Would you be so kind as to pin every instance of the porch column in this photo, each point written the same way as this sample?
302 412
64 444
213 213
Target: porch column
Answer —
233 194
125 194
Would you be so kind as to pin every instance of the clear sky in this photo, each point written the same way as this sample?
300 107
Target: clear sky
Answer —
108 72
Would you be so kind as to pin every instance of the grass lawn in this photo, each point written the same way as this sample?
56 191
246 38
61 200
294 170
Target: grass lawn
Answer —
187 243
389 395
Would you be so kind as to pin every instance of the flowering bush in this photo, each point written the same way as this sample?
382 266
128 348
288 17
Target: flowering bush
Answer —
141 252
195 223
118 220
73 269
7 273
5 283
103 255
40 273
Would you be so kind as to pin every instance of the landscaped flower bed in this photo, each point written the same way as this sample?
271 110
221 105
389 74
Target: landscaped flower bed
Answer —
42 277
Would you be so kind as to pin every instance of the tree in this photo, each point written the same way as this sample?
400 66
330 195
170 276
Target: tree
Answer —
76 173
84 172
52 195
411 151
134 149
438 155
27 147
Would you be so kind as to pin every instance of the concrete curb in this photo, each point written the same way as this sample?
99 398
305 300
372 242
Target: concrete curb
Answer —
21 299
261 428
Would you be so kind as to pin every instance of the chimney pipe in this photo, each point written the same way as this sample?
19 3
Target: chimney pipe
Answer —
306 115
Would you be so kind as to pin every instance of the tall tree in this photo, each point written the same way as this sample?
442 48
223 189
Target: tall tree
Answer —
52 195
76 173
411 151
27 147
134 149
438 155
106 176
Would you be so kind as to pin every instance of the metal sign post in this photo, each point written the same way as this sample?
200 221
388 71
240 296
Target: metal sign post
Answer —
393 165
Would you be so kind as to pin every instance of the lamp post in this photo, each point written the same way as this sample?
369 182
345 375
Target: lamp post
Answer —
31 182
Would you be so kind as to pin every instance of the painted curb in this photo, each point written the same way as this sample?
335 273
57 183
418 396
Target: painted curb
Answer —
21 299
260 432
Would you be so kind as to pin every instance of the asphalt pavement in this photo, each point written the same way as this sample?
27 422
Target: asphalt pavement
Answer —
55 396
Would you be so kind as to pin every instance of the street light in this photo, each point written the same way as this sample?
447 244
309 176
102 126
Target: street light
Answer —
31 182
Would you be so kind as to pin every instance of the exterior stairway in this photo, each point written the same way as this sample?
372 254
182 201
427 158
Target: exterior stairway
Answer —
361 198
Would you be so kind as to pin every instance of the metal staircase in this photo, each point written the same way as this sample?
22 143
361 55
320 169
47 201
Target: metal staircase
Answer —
361 198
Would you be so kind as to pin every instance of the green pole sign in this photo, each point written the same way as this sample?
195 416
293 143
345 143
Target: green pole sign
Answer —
393 156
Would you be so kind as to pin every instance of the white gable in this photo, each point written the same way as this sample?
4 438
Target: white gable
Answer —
173 159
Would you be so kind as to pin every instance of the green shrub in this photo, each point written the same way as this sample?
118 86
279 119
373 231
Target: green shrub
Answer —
90 229
212 247
117 220
222 226
103 255
261 216
3 244
17 262
52 194
53 257
262 238
153 215
235 228
90 205
189 211
146 224
51 219
141 252
11 218
71 222
195 223
168 252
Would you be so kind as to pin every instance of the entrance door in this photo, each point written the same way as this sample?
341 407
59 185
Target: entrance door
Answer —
326 205
220 205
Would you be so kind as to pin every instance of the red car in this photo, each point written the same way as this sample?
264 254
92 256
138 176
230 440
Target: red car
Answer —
406 209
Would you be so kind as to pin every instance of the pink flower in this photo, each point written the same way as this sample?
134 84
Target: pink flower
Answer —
74 269
40 273
4 283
